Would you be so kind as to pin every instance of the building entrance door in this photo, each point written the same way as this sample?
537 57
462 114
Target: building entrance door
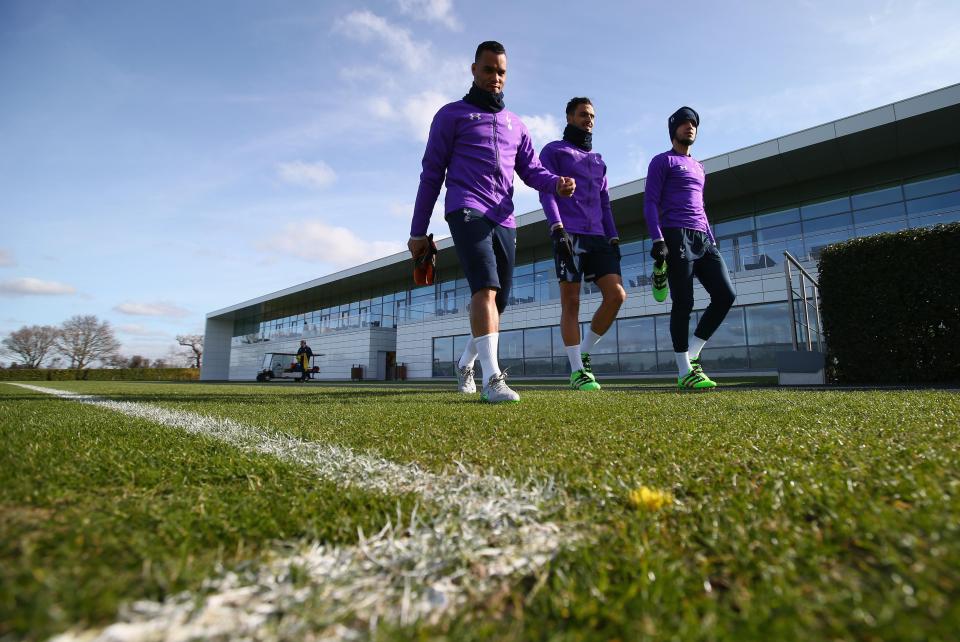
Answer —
390 365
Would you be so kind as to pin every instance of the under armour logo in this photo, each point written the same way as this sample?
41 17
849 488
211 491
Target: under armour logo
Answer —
509 124
475 116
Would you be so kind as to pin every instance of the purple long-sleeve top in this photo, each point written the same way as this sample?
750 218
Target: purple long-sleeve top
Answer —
478 151
588 210
674 195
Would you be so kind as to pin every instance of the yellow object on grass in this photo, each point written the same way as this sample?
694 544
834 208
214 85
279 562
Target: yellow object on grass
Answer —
649 498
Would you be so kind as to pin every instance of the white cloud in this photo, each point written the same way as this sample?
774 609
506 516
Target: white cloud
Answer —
138 330
419 111
318 242
400 46
439 11
444 77
158 309
28 286
381 108
402 211
317 175
543 129
6 258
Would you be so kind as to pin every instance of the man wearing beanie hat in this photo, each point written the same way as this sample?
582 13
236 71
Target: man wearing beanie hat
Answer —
585 239
684 247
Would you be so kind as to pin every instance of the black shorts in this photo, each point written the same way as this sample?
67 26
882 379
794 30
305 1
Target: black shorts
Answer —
594 257
684 244
486 250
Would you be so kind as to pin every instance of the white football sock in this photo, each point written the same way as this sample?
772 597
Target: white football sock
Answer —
487 352
683 363
696 345
589 340
573 353
469 354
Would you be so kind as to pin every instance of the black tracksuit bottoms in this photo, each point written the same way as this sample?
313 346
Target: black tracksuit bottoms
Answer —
691 253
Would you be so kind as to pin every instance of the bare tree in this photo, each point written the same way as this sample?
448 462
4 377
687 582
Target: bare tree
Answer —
84 339
137 361
160 363
31 344
195 343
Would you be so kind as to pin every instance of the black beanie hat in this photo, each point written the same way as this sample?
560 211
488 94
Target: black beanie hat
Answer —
681 116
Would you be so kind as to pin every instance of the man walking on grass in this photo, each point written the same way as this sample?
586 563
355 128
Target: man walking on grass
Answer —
477 144
684 247
585 240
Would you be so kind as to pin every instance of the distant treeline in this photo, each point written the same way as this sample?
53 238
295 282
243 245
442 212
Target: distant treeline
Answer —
100 374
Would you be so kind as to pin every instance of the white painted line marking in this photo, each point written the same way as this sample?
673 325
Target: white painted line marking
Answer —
485 534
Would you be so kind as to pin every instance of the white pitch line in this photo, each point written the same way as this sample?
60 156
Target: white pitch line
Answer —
484 534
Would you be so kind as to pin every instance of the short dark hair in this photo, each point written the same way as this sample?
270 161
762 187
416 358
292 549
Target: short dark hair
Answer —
576 102
489 45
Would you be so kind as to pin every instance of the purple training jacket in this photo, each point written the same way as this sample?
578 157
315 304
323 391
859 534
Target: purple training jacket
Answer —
478 151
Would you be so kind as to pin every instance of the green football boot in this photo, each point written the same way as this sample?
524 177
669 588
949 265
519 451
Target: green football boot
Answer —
695 380
696 366
660 287
583 380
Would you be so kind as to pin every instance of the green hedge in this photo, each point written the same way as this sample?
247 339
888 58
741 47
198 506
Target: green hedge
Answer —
102 374
891 306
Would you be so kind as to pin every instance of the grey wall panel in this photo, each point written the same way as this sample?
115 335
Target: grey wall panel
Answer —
216 350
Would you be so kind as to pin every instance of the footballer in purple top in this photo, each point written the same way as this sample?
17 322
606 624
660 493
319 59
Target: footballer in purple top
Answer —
585 239
684 247
476 145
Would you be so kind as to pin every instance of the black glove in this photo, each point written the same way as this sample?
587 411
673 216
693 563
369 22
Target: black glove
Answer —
563 244
616 247
659 251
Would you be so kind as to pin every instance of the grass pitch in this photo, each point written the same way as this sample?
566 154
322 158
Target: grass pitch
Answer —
795 514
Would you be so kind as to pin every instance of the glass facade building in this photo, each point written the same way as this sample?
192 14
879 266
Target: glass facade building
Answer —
892 168
748 243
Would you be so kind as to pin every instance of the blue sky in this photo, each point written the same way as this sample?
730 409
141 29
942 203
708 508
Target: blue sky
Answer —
159 160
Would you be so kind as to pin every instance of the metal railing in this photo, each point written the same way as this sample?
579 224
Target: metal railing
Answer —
789 263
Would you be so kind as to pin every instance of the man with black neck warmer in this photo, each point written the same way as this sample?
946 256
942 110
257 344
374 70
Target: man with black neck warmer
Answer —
681 235
585 240
477 144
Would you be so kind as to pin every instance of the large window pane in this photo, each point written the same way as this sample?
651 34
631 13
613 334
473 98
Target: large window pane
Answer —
877 197
521 270
932 186
768 323
731 332
442 356
666 358
929 204
511 345
882 214
561 365
825 231
827 224
782 217
633 247
634 271
536 342
663 333
558 345
604 363
636 335
773 241
736 226
607 345
825 208
537 367
638 362
714 358
766 356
